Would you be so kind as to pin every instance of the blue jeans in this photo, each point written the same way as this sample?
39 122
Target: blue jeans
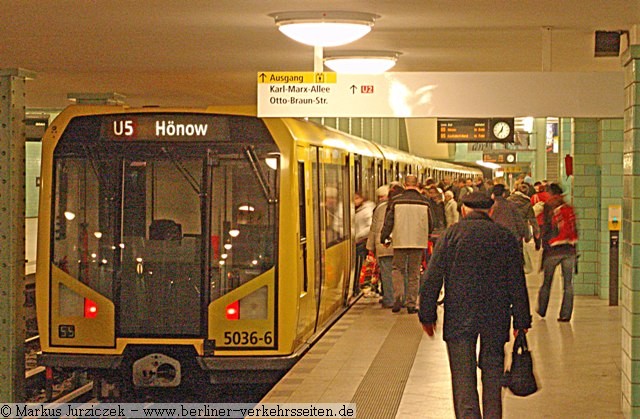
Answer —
385 263
567 264
463 364
406 270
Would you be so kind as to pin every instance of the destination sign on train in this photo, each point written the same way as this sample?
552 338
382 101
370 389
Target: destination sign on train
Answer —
188 127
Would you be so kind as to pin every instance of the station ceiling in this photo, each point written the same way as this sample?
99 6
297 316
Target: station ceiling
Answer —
208 52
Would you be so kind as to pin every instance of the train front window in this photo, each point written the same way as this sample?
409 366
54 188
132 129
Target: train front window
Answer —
162 228
243 217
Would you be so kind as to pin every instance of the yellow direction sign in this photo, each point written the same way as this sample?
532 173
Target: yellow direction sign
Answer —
281 77
440 94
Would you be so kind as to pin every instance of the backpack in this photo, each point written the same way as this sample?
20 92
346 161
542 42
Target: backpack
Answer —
538 207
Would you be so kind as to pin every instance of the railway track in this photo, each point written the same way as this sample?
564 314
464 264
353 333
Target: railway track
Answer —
59 388
34 375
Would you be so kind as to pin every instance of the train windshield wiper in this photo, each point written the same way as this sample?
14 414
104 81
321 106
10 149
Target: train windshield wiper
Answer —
250 154
191 180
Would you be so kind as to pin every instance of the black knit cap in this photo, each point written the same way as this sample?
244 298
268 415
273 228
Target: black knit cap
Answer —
477 200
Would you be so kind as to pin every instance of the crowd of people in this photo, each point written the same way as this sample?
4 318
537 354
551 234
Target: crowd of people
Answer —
470 240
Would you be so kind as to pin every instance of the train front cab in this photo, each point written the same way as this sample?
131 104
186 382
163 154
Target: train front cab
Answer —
170 256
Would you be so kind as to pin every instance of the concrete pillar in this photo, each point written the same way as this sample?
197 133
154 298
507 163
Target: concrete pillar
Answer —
540 166
12 253
630 301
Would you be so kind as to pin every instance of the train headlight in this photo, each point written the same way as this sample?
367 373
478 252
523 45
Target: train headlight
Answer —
90 309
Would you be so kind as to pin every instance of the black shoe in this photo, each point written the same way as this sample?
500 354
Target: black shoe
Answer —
563 320
412 310
396 306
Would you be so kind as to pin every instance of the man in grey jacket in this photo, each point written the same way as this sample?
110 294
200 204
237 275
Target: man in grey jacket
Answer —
407 223
383 254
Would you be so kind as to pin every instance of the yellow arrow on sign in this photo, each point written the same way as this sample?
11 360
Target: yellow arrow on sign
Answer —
296 77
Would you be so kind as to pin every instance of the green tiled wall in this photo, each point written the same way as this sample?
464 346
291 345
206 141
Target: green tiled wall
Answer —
597 183
611 136
630 279
586 201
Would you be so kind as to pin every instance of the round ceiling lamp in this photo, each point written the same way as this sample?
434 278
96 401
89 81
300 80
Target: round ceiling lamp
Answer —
361 62
324 29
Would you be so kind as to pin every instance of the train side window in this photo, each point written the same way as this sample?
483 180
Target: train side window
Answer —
380 176
357 169
302 210
302 214
368 177
334 204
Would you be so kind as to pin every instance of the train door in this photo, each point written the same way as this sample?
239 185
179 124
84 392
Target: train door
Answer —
355 180
310 239
336 206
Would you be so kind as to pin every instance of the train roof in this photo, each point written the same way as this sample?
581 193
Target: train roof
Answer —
301 129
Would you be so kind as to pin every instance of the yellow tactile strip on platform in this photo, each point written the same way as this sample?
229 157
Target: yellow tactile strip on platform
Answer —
380 391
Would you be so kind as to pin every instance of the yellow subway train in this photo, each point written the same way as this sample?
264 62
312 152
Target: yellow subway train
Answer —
184 246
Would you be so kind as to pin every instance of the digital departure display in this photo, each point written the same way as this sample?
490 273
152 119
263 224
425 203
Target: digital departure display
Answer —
475 130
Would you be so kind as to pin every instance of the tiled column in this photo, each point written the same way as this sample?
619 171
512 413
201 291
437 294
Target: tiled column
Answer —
586 201
597 151
610 133
630 303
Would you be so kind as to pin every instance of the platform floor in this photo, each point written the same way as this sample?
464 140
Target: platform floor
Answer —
390 368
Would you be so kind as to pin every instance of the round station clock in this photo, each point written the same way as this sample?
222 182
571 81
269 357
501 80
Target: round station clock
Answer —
501 130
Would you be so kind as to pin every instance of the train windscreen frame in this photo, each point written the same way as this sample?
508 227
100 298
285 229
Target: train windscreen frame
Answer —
153 210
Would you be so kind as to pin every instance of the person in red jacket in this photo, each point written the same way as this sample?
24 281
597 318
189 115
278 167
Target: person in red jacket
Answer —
559 239
537 201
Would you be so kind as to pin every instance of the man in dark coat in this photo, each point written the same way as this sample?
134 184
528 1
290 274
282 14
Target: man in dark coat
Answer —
506 214
480 264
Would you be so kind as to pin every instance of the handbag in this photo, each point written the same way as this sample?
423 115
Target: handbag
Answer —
520 378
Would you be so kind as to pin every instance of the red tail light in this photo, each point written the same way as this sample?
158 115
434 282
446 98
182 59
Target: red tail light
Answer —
90 309
233 311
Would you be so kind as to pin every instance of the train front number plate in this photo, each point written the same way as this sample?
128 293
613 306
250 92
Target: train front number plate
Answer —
66 331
